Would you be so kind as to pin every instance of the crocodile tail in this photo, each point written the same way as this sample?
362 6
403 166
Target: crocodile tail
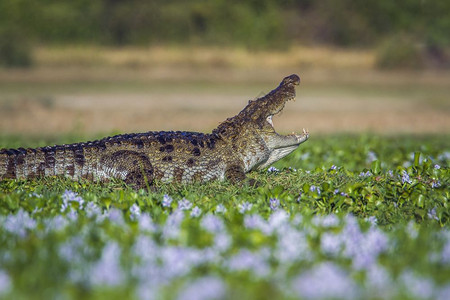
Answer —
68 160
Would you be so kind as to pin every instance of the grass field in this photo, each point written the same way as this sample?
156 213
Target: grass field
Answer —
359 211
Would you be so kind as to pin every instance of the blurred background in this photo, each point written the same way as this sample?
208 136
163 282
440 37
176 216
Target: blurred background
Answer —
95 67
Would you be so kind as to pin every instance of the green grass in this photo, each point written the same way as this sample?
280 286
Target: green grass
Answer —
398 182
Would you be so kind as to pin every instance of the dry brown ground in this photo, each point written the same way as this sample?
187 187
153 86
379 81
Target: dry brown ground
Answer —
57 99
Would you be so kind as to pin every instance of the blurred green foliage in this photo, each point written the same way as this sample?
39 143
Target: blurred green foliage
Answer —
249 23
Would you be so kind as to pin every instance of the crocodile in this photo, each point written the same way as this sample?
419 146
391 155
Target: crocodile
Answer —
240 144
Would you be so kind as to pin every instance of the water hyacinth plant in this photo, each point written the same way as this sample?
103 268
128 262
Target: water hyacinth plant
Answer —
308 231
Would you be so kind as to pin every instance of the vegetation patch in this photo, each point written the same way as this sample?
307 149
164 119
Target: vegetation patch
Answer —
343 217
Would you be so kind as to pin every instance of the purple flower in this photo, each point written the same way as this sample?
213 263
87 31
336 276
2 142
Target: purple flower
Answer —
196 212
373 243
412 230
246 206
299 197
445 255
5 282
172 227
418 287
206 288
278 220
245 260
135 211
432 214
145 248
314 188
443 293
179 261
436 166
274 203
405 177
365 174
57 223
92 210
379 282
272 170
116 216
362 248
331 243
184 204
70 196
435 184
167 201
222 242
254 221
221 209
330 220
324 281
371 156
107 270
333 167
146 223
292 246
372 220
19 223
212 224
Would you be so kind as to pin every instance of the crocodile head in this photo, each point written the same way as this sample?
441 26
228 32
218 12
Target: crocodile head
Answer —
258 113
254 123
263 109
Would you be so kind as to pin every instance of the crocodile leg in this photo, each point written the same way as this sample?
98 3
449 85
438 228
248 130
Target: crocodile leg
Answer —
132 167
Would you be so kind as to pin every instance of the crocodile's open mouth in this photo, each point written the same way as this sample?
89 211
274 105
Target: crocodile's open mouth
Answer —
269 118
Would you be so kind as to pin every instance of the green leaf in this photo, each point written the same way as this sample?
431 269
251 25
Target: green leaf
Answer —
376 167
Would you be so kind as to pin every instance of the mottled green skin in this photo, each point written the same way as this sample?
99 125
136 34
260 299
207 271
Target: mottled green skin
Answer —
238 145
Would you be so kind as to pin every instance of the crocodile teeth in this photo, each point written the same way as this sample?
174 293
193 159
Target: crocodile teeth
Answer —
269 120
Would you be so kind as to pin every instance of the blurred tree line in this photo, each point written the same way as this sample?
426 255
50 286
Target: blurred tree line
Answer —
419 26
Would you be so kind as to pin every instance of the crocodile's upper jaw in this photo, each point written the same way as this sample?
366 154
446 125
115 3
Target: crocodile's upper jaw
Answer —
274 102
